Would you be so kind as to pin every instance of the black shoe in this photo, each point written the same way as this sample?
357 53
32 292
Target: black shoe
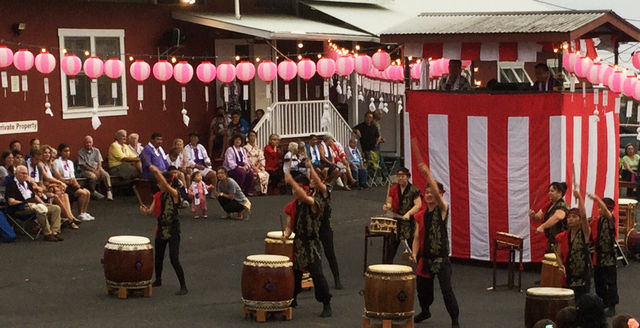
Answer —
294 303
338 284
157 283
611 312
182 291
455 324
422 316
326 310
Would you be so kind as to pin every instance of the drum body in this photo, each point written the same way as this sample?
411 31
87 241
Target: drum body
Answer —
631 242
267 282
128 262
382 225
545 303
273 244
508 239
389 292
550 275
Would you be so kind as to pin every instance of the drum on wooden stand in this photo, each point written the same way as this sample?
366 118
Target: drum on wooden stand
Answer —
267 282
631 242
545 303
128 262
273 244
389 292
382 225
550 275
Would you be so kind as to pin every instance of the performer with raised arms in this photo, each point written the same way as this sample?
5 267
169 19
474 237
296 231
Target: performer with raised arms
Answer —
554 218
165 207
431 251
306 244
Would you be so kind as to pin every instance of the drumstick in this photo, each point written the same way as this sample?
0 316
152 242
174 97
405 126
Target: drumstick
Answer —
416 150
393 215
406 246
138 196
281 224
535 199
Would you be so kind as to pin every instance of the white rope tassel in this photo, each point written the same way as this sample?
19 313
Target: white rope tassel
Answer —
325 122
381 104
372 105
185 118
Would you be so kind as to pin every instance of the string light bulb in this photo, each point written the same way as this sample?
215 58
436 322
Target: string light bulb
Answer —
43 50
173 60
130 58
357 47
319 56
410 58
257 59
86 53
299 57
475 69
64 51
237 57
300 45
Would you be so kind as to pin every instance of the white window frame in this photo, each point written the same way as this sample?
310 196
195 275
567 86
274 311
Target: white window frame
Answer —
85 112
512 66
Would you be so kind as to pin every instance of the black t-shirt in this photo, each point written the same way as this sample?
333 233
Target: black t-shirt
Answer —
370 135
12 191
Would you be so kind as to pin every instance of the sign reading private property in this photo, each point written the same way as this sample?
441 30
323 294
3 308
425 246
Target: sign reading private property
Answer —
18 127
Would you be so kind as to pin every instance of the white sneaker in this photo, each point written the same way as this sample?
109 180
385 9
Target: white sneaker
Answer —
84 217
109 195
185 203
90 216
97 196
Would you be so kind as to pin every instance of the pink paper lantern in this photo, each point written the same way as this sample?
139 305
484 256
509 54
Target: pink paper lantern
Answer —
162 70
594 74
616 81
435 67
571 62
397 73
565 61
267 71
287 70
206 72
71 65
140 70
583 66
45 63
444 66
636 60
226 72
345 65
363 64
23 60
183 72
381 60
415 71
636 94
306 69
93 67
386 74
605 73
326 67
6 57
245 71
114 68
465 63
629 86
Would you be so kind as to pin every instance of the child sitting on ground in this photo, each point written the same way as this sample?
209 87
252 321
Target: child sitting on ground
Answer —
198 193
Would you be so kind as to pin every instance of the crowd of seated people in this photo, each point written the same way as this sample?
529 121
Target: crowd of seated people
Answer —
588 313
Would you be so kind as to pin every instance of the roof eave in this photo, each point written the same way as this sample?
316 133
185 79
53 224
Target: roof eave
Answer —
475 37
210 22
629 31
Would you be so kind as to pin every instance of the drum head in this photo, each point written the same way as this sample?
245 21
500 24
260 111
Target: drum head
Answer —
550 291
129 240
627 201
549 257
382 218
390 268
278 235
267 258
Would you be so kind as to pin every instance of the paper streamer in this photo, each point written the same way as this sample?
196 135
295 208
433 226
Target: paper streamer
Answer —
226 93
5 82
114 92
629 108
245 92
206 96
596 95
164 97
605 98
140 95
268 91
25 86
286 91
326 88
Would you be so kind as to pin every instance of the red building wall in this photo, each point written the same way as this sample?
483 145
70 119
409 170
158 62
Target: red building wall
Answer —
144 25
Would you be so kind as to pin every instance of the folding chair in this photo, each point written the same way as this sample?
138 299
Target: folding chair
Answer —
24 223
374 170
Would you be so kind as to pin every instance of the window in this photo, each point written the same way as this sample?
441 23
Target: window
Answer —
566 76
104 44
512 72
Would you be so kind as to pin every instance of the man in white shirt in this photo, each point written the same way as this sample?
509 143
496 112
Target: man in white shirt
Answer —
198 154
90 159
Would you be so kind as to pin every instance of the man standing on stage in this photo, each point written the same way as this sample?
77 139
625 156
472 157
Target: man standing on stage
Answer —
431 251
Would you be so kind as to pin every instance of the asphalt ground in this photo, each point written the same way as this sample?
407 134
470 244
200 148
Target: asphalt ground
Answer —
62 284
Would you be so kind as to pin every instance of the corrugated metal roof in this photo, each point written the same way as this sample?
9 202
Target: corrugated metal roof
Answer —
282 27
495 23
377 18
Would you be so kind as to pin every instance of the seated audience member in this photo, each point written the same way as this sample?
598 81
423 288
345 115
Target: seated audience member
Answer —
177 160
545 323
217 134
65 172
23 201
123 162
134 144
341 162
237 125
6 162
230 195
236 163
590 312
196 153
90 159
302 151
15 144
312 151
18 159
273 161
33 144
623 320
153 154
327 164
259 115
566 317
544 81
54 188
292 165
356 161
454 81
257 162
